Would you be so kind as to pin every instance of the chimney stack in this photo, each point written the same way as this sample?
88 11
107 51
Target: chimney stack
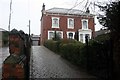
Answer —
87 11
43 7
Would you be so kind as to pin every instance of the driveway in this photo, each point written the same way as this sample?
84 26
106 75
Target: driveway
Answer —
46 64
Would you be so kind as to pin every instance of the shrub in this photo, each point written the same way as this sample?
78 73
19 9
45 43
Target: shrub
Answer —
99 58
52 45
103 37
71 52
66 41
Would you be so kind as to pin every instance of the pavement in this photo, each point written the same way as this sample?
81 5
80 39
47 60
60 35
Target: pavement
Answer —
46 64
4 53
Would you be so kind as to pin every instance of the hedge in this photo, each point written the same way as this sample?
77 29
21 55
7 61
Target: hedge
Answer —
52 45
99 58
73 52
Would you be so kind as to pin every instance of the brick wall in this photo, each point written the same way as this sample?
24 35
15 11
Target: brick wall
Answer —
46 24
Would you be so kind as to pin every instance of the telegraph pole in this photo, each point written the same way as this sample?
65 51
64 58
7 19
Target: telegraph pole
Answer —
10 15
29 28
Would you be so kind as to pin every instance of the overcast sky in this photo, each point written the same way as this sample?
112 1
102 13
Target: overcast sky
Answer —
23 10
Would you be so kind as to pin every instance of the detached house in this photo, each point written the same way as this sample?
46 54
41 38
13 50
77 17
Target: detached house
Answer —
66 22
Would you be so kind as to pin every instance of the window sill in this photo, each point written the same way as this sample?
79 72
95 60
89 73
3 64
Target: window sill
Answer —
55 27
86 29
70 27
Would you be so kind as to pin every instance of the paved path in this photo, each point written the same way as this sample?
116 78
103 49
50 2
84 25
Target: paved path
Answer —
46 64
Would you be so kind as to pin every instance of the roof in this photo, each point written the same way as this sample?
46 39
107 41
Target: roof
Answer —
1 29
68 11
100 32
35 35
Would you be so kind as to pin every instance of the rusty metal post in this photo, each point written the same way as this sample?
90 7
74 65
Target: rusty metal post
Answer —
87 52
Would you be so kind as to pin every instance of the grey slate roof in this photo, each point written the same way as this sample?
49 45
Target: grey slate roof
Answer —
1 29
103 31
68 11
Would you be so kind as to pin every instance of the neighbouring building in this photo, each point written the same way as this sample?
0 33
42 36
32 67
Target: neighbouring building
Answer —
101 31
66 22
2 32
35 40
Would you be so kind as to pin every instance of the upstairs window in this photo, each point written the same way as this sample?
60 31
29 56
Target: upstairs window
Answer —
84 24
70 23
55 22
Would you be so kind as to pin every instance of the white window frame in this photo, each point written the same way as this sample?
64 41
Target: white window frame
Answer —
81 38
53 21
49 34
61 33
54 32
84 34
69 26
83 25
88 36
70 32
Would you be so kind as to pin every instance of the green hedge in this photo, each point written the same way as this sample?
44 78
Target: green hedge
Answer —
55 45
52 45
103 37
99 58
73 52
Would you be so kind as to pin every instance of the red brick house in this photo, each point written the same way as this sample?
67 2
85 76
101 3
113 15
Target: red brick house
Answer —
66 22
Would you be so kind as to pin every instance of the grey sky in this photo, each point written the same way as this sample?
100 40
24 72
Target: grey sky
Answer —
23 10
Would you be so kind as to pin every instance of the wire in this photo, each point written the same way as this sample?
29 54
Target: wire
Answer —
89 4
76 2
76 5
86 4
96 12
